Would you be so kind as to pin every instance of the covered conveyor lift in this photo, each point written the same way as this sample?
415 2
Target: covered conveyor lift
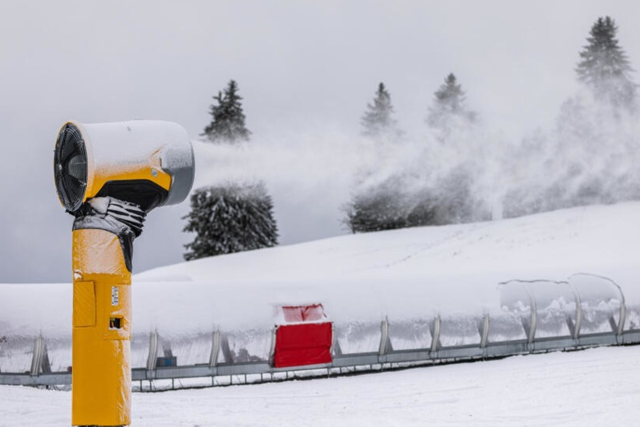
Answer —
529 316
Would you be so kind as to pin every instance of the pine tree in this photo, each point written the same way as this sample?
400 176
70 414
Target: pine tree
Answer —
227 117
376 209
449 109
230 218
604 67
377 121
389 206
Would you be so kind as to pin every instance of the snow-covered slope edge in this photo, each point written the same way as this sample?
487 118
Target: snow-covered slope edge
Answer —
599 238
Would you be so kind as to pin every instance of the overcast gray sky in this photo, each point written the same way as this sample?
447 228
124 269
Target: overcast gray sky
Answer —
302 66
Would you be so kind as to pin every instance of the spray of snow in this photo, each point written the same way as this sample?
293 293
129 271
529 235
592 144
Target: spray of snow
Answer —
586 157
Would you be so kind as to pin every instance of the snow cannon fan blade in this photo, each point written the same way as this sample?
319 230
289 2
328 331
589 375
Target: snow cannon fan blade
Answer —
148 163
70 167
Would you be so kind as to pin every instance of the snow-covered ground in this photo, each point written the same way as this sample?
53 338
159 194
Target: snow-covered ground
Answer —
395 273
598 387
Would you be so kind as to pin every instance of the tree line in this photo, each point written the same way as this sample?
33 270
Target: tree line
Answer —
235 216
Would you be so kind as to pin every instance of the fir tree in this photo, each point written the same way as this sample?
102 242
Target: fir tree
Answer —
230 218
377 121
377 209
449 110
421 209
227 117
604 67
389 206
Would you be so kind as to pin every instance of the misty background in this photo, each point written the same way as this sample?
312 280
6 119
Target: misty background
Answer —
306 71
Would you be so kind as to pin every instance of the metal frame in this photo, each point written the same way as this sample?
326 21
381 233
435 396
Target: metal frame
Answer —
38 376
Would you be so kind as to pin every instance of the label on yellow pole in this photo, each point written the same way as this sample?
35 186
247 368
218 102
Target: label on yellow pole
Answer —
114 295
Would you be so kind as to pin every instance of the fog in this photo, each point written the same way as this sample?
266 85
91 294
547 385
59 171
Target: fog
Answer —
306 72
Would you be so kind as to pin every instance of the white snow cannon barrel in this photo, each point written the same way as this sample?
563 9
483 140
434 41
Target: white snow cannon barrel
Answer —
149 163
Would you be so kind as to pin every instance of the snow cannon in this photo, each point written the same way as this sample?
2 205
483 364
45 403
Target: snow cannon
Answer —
148 163
109 176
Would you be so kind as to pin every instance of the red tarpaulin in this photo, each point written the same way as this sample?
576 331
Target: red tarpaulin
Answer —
307 342
303 313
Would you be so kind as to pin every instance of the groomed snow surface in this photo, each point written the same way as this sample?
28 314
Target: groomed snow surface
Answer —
597 387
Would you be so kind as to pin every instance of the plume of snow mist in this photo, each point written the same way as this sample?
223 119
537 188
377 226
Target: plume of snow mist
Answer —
474 172
313 176
309 176
591 157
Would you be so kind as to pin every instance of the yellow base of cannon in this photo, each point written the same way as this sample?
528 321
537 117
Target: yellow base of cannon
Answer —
101 371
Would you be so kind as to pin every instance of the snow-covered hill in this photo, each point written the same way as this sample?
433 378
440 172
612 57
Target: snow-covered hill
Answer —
600 239
406 272
399 273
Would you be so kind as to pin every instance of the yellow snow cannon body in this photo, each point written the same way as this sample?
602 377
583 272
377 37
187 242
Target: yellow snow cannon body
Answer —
109 176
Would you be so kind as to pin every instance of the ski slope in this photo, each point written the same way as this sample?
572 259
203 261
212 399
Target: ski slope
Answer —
598 387
400 274
396 273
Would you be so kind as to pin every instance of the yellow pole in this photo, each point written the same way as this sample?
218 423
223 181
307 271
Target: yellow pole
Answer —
101 371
